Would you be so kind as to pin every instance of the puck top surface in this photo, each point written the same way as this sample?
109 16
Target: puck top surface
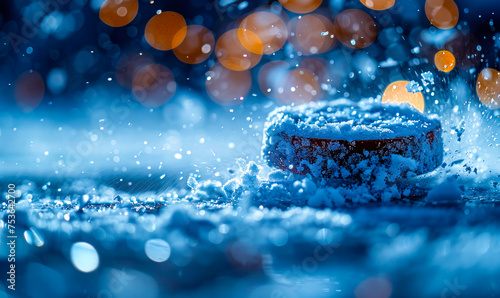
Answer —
347 120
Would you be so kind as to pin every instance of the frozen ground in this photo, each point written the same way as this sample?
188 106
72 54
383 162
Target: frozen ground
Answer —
143 205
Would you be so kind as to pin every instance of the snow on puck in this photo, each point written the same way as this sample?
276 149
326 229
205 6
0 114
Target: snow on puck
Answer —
352 140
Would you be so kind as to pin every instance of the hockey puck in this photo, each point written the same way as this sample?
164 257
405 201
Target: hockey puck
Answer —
343 139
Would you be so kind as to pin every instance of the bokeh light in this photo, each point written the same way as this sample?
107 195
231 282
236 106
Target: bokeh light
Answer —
311 34
378 4
355 28
118 13
271 76
231 53
444 61
129 64
227 87
29 91
488 88
270 29
153 85
301 6
166 30
197 45
318 68
157 250
397 92
84 257
57 80
299 86
443 14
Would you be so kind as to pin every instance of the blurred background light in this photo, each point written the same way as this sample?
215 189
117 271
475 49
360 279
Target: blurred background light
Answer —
29 90
57 80
444 61
378 4
301 6
355 28
196 46
443 14
271 75
166 30
153 85
300 86
488 88
129 64
227 87
118 13
84 257
397 92
157 250
236 55
270 29
311 34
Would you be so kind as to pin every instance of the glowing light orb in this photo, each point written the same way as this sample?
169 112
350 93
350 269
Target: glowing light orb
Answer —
301 6
157 250
233 55
166 30
442 14
118 13
355 28
197 46
299 86
29 91
444 61
488 88
128 65
312 34
397 93
84 257
378 4
270 29
227 87
271 77
153 85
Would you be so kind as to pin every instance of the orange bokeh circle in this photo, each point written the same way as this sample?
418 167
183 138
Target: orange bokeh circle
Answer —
318 68
442 14
311 34
299 86
270 29
301 6
227 87
118 13
396 92
233 55
444 61
128 65
166 31
488 88
378 4
153 85
355 28
197 46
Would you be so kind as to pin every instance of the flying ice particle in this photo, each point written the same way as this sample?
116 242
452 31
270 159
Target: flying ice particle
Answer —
414 87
